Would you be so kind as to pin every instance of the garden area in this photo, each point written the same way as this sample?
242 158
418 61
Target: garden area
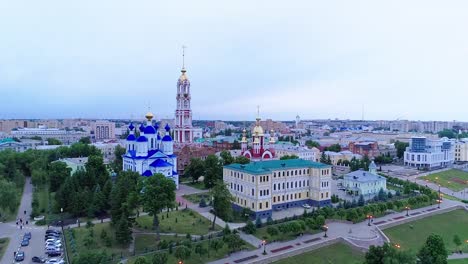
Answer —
184 221
3 246
197 185
411 236
456 180
334 254
197 197
93 239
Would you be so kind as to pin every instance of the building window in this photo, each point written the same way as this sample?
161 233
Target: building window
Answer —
274 187
321 196
253 205
326 195
260 206
253 179
266 205
274 199
253 192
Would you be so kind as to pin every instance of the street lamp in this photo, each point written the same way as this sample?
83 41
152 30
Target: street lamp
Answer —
180 262
325 227
407 210
438 206
264 247
397 246
369 217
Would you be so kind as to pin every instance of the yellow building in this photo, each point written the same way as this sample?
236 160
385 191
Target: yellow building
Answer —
265 186
461 150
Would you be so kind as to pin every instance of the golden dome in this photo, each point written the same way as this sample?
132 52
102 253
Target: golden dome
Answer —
183 76
258 130
149 116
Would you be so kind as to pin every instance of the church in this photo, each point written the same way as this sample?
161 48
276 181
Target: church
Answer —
150 152
261 149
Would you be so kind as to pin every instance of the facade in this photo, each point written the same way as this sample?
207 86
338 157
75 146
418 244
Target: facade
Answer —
337 157
265 186
461 150
283 149
9 143
364 182
369 148
67 137
75 164
261 149
188 152
108 148
103 130
184 132
150 153
424 153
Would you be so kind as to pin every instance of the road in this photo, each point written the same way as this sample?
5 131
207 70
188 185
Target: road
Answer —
11 230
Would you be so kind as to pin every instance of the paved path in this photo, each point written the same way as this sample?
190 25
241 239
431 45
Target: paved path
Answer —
360 235
458 256
11 230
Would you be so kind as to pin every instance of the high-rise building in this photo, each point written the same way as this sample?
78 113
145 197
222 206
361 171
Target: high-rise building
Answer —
103 130
184 132
429 154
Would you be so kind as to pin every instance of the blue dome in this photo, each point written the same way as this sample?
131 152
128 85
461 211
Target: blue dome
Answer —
142 127
131 127
150 130
142 139
156 126
131 137
167 138
167 127
159 137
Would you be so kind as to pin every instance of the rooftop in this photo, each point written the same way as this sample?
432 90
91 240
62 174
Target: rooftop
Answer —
261 167
363 176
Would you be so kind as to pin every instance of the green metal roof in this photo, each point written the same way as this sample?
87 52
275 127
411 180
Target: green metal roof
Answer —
262 167
7 140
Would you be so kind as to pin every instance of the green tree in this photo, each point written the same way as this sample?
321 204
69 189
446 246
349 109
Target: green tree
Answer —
242 160
341 213
401 148
58 172
433 250
159 258
200 249
222 199
8 194
334 148
213 171
226 157
287 157
216 244
361 200
236 145
85 140
182 252
457 241
323 158
312 144
123 232
141 260
158 193
195 169
53 141
118 161
250 228
234 242
387 254
449 133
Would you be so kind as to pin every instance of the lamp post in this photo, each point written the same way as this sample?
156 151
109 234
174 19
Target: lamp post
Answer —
325 228
397 246
438 206
264 247
407 210
180 262
369 217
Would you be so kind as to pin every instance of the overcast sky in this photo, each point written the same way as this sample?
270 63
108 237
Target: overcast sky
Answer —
318 59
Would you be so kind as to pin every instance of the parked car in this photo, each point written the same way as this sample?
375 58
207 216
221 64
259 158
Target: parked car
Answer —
36 259
53 241
28 235
306 206
55 261
278 209
53 231
53 253
25 242
19 256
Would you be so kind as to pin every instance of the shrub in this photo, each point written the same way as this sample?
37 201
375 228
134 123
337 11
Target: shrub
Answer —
41 222
250 228
272 231
258 222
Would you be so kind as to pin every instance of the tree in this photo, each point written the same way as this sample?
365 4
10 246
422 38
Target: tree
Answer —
91 257
352 215
236 145
85 140
382 195
222 199
312 144
182 252
141 260
216 244
448 133
286 157
341 213
200 249
158 193
234 242
159 258
58 172
334 148
53 141
117 163
242 160
226 157
433 251
401 148
387 254
8 192
250 228
123 232
361 200
323 158
195 169
213 171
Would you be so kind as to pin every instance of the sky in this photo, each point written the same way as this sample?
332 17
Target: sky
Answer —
316 59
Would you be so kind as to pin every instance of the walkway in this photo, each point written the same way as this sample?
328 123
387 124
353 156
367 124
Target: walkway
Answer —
360 235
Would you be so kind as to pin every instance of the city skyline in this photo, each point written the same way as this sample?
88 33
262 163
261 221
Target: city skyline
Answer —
105 60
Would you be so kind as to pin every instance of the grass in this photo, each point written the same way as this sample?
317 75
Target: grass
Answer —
181 222
148 242
195 258
458 261
99 244
3 246
197 185
196 197
334 254
446 179
412 235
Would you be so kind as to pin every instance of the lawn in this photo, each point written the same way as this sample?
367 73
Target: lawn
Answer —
458 261
183 221
412 235
197 259
456 180
3 246
98 244
148 242
197 185
334 254
196 197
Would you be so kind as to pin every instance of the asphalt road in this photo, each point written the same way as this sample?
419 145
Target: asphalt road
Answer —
11 230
